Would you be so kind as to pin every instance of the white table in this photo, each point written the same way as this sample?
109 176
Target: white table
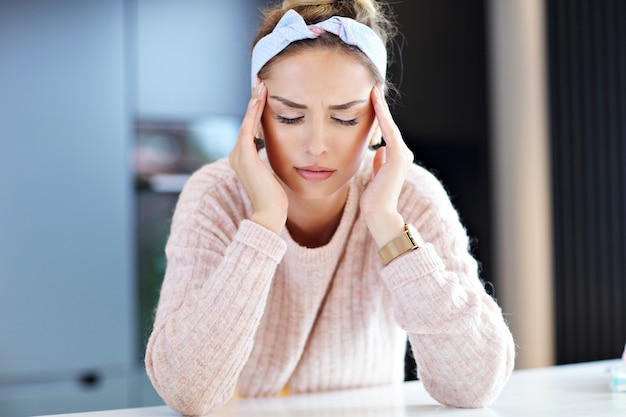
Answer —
567 391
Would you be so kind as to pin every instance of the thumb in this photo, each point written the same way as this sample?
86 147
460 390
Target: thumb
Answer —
379 158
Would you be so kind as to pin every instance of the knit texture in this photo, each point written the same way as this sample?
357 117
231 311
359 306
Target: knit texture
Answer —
245 310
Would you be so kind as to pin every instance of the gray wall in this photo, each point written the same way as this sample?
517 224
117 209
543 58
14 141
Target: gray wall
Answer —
74 75
66 277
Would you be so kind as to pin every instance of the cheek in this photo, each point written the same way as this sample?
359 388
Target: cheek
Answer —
273 130
361 145
275 144
270 133
362 137
355 150
358 153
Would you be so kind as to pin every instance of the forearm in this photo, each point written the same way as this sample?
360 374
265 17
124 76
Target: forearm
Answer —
205 325
463 347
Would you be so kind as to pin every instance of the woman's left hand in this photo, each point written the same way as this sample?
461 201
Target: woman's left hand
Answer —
379 202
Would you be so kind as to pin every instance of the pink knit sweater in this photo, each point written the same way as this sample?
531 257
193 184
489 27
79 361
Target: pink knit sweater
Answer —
245 310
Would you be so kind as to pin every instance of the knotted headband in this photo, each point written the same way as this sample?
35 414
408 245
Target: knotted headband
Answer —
292 27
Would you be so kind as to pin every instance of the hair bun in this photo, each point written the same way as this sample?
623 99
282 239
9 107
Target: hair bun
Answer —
375 14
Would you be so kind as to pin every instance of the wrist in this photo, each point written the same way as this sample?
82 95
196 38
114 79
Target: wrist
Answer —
385 227
409 240
268 220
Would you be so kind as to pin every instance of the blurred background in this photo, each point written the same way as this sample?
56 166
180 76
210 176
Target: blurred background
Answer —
518 106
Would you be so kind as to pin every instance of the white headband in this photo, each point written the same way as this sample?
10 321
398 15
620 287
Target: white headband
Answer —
292 27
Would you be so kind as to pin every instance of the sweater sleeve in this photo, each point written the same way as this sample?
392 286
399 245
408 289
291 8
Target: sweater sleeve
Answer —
462 345
212 299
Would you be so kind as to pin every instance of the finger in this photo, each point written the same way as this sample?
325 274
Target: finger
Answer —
388 127
252 118
396 148
379 158
246 147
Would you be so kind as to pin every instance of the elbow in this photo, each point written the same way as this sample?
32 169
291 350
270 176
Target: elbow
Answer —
185 397
183 392
468 396
476 390
188 406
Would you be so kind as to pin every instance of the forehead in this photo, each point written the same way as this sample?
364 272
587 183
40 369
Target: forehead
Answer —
330 71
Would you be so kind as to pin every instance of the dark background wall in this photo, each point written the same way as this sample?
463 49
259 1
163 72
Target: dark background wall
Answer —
440 70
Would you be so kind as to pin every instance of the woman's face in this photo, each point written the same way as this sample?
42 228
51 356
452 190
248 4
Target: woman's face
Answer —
318 120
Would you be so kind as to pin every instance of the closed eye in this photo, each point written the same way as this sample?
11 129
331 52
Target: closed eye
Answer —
343 122
288 120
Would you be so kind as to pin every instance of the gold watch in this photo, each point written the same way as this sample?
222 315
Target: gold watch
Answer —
409 240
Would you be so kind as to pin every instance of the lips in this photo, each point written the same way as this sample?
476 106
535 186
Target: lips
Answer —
315 173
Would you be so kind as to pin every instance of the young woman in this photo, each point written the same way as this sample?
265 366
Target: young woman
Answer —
303 266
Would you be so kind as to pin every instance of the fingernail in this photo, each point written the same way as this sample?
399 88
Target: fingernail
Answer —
259 89
256 82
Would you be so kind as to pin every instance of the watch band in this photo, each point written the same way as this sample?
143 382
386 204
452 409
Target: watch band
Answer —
409 240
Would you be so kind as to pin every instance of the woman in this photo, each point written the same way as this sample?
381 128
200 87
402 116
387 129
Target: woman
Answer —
303 267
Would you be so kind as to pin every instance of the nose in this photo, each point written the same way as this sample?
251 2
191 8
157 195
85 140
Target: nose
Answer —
316 141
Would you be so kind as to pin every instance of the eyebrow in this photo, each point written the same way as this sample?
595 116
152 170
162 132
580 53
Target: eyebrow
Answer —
294 105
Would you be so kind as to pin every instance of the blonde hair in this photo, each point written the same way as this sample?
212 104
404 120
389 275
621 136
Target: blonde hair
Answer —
372 13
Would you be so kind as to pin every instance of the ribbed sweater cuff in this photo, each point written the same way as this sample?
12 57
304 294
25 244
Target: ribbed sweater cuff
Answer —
412 266
261 239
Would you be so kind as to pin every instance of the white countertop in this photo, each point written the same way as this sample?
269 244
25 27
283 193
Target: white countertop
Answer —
560 391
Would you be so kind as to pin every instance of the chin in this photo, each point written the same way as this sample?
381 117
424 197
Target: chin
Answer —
317 191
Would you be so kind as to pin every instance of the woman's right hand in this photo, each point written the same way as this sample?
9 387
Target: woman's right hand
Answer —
269 200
